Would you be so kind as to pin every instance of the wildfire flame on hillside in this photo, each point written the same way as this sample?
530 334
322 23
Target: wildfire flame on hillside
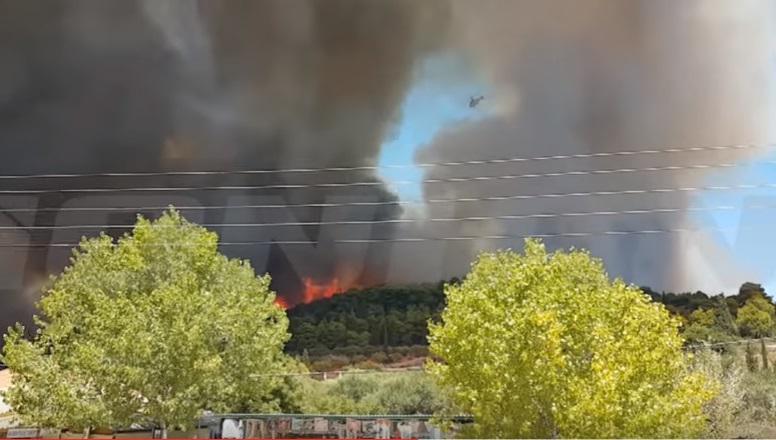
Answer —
315 291
314 288
281 302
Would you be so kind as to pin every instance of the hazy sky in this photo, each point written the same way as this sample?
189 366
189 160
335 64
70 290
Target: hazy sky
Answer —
746 216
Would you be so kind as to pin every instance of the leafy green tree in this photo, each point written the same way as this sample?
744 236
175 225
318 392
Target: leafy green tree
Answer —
702 317
544 345
756 317
407 393
152 330
724 318
685 303
413 393
711 325
749 290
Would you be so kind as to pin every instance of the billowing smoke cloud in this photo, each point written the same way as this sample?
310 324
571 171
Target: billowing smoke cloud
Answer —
221 85
603 76
144 85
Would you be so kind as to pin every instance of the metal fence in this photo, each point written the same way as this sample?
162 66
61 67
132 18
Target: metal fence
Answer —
241 426
276 426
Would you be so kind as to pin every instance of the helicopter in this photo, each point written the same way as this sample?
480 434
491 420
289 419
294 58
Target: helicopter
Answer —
474 101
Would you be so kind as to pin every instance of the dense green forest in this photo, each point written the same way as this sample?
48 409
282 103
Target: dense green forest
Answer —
386 324
365 321
684 304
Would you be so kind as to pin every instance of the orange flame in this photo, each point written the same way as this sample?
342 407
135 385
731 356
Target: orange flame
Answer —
315 291
281 302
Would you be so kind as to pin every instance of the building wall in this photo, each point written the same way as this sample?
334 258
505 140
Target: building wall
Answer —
5 383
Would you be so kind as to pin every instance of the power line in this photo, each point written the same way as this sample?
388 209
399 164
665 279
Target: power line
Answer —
368 183
411 239
414 220
397 166
608 193
403 202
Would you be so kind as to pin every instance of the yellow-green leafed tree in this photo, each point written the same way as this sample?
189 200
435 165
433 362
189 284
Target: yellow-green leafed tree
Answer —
545 345
756 317
152 330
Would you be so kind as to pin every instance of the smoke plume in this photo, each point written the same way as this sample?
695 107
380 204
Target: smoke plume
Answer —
602 76
145 85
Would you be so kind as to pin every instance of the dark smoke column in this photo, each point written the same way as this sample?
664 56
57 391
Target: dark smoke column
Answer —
598 76
133 85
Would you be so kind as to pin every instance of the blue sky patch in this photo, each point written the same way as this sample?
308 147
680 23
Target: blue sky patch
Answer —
747 227
438 98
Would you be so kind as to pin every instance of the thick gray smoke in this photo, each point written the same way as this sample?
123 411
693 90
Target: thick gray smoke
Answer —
144 85
603 76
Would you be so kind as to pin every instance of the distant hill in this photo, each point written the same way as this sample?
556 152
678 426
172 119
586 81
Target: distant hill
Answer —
365 320
685 303
389 324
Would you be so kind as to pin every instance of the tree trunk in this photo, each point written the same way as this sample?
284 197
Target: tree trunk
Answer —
751 360
764 353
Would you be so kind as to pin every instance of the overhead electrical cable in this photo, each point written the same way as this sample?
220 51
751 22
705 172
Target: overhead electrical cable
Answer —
411 239
410 202
365 183
505 217
732 147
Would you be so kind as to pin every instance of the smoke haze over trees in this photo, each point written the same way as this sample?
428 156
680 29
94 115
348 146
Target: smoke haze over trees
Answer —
142 85
146 86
